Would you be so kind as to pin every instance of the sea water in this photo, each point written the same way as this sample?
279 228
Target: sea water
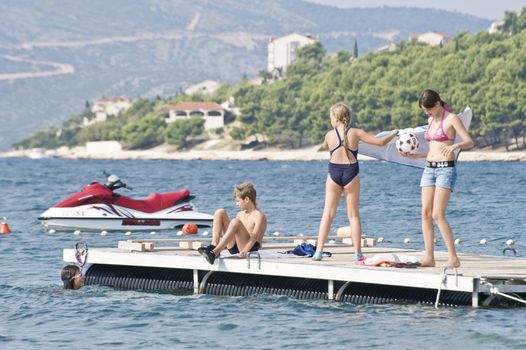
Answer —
489 202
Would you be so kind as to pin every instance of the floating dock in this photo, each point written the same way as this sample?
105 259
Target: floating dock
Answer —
481 281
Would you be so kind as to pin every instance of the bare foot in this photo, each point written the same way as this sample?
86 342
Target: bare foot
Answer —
452 263
428 263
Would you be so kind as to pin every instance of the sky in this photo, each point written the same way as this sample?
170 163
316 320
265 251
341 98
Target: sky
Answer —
488 9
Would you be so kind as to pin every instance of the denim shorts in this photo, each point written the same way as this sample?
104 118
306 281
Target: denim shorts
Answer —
443 177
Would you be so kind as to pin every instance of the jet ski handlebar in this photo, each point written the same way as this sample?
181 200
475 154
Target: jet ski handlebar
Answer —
113 182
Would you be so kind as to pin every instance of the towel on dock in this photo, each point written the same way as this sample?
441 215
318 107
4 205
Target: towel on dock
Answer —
390 260
305 249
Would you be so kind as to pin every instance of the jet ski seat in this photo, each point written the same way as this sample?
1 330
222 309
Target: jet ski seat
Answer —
154 202
159 201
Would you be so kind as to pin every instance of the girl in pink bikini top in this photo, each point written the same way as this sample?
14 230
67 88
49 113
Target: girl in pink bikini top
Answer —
440 135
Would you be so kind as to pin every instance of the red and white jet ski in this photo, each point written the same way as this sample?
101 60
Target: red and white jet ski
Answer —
97 207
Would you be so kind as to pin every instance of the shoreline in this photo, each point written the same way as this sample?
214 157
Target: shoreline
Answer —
304 154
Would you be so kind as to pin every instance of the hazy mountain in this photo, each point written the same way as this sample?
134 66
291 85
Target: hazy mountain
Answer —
55 55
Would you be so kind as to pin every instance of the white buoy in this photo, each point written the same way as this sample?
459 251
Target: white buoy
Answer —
407 240
128 233
276 233
483 241
103 233
153 232
205 233
510 242
76 233
380 239
301 235
458 241
179 233
332 241
51 231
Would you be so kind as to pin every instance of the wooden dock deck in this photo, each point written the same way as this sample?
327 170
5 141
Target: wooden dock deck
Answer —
481 278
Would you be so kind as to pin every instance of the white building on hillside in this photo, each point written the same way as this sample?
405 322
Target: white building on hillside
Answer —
387 48
494 27
230 106
108 106
206 87
431 38
211 112
282 50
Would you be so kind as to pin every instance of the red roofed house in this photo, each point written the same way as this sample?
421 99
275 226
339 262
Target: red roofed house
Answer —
213 114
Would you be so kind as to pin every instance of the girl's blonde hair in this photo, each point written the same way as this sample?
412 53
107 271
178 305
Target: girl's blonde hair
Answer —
343 114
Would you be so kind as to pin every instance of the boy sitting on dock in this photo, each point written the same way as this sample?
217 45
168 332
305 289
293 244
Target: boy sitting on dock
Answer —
240 235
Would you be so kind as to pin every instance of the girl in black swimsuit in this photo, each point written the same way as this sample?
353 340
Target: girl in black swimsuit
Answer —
344 175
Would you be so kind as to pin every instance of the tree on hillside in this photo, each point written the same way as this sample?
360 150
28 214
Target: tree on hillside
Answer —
308 60
48 138
100 131
266 75
142 133
343 56
78 119
178 132
514 22
140 107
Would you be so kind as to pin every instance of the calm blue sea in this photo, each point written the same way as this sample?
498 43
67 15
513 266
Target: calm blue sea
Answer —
35 313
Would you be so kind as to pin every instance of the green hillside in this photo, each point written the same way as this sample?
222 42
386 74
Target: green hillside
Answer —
145 48
484 71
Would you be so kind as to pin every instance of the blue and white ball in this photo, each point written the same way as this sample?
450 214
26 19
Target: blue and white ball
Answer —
407 143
